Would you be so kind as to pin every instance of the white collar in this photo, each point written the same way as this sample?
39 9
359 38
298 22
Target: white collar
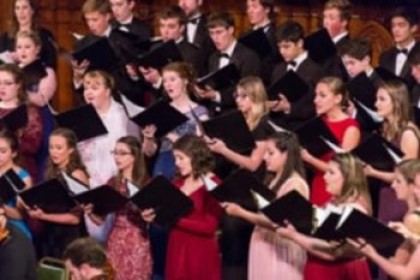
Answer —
127 21
230 49
107 32
409 47
340 36
300 58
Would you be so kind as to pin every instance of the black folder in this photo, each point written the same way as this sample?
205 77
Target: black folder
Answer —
160 56
291 85
328 229
16 119
257 41
161 114
232 129
98 51
84 121
10 185
416 113
320 46
355 224
312 136
220 79
105 199
168 202
362 89
51 196
239 188
377 152
33 73
294 208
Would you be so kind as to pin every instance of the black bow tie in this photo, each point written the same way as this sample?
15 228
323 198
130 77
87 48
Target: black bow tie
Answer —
292 63
193 20
403 51
224 55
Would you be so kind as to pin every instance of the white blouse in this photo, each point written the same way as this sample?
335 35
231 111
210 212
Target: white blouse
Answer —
96 152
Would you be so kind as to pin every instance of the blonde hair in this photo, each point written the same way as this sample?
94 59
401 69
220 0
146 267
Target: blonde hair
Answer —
355 187
401 112
253 88
337 87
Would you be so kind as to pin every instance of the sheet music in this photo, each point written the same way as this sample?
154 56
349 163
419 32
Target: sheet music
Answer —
77 36
344 215
276 127
337 149
6 57
74 186
261 201
132 189
374 115
131 108
396 158
209 183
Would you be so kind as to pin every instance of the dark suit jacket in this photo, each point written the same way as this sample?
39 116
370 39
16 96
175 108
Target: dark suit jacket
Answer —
17 257
137 27
303 109
269 61
388 60
367 126
248 64
194 55
202 38
334 66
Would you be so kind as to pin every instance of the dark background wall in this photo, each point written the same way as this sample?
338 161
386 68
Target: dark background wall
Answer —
63 17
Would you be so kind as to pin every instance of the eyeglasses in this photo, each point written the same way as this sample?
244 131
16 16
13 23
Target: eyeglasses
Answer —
7 83
120 153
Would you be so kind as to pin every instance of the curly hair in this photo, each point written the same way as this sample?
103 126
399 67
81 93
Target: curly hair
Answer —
196 149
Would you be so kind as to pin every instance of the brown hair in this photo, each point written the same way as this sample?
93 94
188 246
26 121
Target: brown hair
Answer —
173 12
343 6
139 166
287 142
18 77
196 149
13 142
185 71
101 6
75 160
14 25
358 48
402 114
224 19
355 185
